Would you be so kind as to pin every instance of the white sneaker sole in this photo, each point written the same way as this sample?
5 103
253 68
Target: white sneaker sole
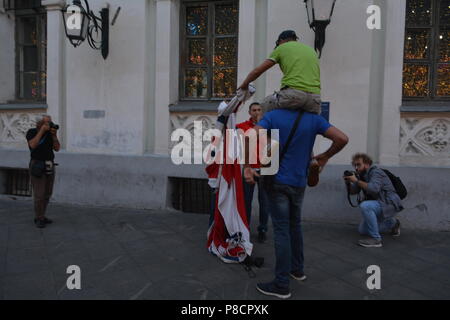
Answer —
281 296
299 279
371 245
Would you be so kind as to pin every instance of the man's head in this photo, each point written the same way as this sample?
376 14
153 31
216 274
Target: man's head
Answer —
362 162
255 111
43 119
286 36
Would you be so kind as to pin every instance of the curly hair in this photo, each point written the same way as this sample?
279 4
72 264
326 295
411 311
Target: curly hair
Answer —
365 158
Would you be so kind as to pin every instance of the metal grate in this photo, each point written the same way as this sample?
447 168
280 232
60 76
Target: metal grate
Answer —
18 182
191 195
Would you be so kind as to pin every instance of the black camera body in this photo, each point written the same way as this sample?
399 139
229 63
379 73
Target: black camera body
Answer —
53 126
348 173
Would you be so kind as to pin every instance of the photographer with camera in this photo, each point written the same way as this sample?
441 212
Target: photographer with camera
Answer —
42 141
381 201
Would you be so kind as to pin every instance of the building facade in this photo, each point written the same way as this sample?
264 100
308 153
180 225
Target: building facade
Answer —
171 62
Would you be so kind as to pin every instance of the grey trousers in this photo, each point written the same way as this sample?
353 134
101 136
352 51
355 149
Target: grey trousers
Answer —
293 99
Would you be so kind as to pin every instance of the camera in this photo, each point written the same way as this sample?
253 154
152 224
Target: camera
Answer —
53 126
348 173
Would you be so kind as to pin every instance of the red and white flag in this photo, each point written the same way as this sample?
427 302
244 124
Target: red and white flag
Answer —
229 235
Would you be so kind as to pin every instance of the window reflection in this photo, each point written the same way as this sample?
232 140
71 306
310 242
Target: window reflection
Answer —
415 80
211 47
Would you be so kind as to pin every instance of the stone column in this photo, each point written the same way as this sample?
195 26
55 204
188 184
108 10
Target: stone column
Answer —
392 83
56 65
163 69
246 45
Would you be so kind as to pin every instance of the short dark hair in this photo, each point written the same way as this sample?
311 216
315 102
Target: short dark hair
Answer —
365 158
253 104
288 35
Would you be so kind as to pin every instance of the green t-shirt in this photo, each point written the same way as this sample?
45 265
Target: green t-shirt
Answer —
300 66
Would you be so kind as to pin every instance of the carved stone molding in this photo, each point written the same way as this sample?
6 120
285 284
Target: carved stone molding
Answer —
14 126
186 121
428 137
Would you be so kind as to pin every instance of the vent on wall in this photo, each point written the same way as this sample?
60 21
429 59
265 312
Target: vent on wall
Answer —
15 182
191 195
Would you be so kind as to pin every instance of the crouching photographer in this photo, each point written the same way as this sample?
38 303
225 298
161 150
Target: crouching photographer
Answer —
42 141
381 202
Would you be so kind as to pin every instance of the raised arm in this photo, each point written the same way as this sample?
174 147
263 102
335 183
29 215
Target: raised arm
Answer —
256 73
34 143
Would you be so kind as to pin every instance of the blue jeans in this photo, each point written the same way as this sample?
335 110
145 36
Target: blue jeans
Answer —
373 222
285 209
263 205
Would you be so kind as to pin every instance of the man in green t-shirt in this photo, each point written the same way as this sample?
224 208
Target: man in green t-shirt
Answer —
300 86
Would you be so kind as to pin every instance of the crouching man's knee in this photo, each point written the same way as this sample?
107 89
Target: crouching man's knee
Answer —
367 207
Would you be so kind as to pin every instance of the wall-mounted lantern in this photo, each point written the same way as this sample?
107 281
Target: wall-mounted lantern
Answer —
319 17
81 23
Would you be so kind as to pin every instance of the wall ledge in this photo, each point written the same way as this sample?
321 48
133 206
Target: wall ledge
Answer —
22 106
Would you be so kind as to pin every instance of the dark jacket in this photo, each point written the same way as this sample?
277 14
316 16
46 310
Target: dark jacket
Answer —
380 188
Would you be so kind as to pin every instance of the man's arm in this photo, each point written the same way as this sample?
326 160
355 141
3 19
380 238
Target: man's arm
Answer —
339 139
355 185
373 187
256 73
34 143
249 173
56 144
354 188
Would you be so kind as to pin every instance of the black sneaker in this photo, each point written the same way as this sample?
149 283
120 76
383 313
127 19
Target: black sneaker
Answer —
262 237
39 223
46 221
395 232
271 289
297 275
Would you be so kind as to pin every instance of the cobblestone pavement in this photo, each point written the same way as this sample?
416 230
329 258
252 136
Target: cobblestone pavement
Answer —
148 254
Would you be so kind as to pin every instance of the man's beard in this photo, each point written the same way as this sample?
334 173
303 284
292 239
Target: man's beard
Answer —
362 172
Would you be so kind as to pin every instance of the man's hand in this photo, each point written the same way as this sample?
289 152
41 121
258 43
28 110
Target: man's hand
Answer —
351 179
244 86
322 159
53 131
45 127
249 175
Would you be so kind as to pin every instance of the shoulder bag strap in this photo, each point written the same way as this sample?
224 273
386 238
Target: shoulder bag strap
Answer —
291 135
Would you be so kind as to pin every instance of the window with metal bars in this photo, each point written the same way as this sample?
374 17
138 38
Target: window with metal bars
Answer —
191 195
16 182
